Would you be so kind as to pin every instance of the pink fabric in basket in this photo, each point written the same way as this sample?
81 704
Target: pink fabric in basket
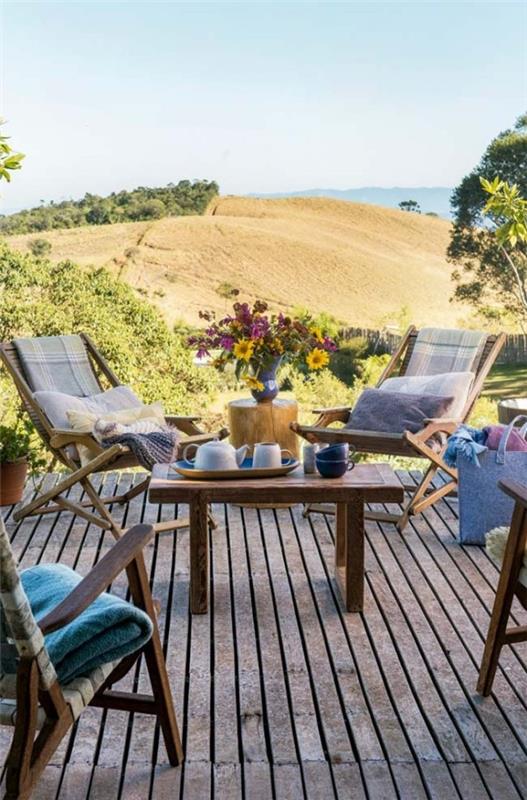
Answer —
495 432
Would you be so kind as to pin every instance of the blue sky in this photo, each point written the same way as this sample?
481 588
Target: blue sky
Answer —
260 96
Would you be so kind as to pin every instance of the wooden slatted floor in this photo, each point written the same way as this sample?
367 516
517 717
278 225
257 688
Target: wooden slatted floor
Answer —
281 694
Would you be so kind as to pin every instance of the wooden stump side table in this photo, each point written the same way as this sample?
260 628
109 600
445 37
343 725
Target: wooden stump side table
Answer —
251 422
367 483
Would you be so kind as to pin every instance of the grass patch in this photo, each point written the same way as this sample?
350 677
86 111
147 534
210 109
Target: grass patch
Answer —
506 380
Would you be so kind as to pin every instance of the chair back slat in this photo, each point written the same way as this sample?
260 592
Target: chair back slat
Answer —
412 338
13 364
20 636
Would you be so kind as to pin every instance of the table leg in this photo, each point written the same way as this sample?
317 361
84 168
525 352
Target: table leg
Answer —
341 526
199 555
349 556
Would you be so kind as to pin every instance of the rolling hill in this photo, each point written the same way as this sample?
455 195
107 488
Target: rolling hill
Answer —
358 262
431 198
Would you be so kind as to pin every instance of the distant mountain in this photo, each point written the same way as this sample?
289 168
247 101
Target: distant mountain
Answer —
431 198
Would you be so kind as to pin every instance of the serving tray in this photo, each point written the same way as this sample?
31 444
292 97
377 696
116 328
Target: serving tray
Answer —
245 470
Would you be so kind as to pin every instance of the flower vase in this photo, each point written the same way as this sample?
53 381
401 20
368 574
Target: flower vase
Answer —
267 376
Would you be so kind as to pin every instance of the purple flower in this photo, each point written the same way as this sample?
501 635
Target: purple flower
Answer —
227 342
202 352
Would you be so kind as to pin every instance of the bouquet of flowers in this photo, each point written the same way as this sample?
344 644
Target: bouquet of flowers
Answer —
256 342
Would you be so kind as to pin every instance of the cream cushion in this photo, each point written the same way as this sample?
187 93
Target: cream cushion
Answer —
140 418
495 544
446 384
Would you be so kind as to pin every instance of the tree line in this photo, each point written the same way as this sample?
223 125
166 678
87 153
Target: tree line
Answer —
144 203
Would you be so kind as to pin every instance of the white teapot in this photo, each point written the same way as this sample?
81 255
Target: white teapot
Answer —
216 455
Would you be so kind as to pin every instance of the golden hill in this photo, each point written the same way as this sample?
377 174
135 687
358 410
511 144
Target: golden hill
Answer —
358 262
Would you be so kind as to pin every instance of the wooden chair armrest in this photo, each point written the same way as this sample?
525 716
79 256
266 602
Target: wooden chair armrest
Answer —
326 416
184 424
439 425
439 420
99 578
61 437
517 491
330 410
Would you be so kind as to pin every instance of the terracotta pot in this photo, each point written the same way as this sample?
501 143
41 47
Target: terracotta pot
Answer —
12 479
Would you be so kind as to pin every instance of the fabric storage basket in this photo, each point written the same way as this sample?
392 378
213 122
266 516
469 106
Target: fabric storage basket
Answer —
482 506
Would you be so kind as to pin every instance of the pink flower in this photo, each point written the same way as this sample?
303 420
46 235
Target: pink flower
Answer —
329 344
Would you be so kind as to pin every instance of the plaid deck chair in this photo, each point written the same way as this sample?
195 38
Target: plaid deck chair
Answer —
73 365
33 701
429 352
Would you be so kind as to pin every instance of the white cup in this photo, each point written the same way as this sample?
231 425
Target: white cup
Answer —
269 455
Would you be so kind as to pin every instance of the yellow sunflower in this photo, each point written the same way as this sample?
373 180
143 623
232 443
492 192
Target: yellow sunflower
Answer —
317 359
253 383
317 333
243 349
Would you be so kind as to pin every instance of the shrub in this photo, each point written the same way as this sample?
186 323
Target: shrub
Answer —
227 290
45 299
346 362
39 247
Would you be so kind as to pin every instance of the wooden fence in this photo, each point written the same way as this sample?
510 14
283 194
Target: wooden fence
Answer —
514 350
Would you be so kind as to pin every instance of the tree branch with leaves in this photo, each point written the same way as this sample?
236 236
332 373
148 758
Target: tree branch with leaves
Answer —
487 243
9 160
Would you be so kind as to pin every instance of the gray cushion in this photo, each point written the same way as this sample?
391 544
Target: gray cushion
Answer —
56 404
396 412
455 384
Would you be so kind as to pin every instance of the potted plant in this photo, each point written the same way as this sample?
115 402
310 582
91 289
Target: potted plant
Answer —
16 455
257 342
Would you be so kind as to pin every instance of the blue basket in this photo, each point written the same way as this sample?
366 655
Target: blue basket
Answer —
482 505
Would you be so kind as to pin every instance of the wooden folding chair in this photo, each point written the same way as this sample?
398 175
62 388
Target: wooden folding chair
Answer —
116 457
34 702
509 586
404 444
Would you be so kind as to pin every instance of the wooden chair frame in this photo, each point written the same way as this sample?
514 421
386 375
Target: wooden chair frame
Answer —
404 444
114 458
508 587
31 749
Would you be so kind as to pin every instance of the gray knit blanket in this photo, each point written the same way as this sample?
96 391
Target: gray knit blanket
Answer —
158 447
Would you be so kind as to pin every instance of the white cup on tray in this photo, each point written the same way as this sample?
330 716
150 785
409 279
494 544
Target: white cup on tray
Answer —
269 455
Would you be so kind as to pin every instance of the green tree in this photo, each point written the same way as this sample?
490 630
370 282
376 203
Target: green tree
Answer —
186 197
474 248
507 211
9 160
410 205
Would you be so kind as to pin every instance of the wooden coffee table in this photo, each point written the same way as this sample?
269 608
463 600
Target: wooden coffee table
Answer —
367 483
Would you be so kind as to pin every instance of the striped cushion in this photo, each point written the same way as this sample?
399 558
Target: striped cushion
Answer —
57 364
439 350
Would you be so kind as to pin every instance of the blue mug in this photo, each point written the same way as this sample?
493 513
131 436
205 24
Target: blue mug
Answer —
335 452
332 468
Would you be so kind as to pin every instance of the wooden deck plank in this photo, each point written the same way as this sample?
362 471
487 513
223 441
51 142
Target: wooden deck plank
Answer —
392 742
281 694
267 634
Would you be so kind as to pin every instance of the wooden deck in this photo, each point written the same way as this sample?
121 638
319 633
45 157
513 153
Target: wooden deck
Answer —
282 695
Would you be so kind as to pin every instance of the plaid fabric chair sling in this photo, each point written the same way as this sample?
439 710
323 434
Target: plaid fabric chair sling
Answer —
74 366
32 700
430 351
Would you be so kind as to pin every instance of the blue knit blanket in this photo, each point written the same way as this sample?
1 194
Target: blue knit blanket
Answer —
108 630
158 447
